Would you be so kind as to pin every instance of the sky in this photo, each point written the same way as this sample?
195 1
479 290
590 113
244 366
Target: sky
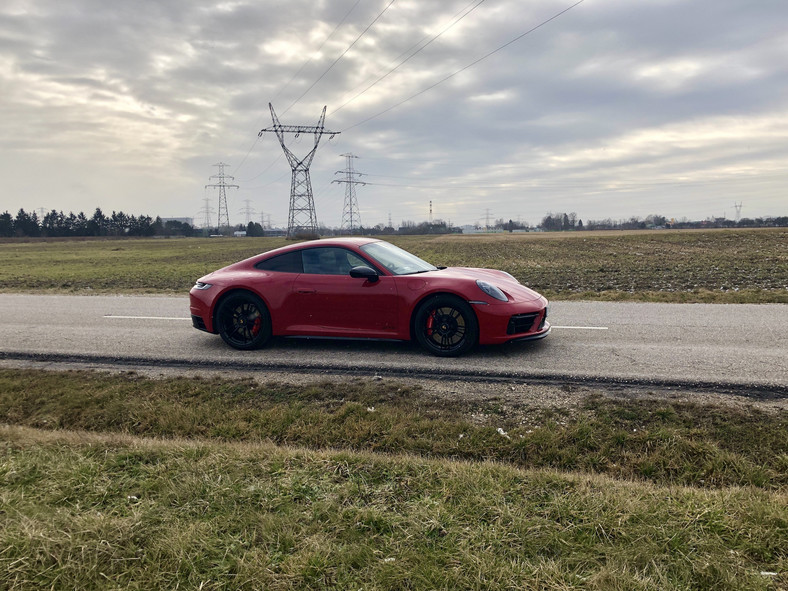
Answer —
491 109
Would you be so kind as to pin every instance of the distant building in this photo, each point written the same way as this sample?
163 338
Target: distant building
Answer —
471 229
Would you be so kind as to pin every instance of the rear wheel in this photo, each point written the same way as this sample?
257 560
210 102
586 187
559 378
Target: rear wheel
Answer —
446 326
243 321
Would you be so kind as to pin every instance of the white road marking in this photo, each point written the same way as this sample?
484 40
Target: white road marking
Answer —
146 317
582 327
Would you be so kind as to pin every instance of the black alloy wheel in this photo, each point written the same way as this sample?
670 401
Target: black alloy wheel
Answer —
446 326
243 321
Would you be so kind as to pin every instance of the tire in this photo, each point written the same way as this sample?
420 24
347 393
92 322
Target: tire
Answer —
243 321
446 326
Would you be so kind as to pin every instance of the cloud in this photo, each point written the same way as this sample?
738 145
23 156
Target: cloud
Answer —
611 110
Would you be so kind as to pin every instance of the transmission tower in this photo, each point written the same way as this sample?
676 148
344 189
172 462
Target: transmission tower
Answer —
738 210
351 219
206 212
248 211
302 217
222 185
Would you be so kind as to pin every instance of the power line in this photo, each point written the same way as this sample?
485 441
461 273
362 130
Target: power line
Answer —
407 59
282 89
474 63
439 82
307 62
254 143
334 63
454 21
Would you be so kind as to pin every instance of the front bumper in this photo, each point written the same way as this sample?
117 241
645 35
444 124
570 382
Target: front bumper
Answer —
198 323
535 336
200 307
501 323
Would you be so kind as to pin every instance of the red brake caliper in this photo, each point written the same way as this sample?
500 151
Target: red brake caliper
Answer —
258 322
430 323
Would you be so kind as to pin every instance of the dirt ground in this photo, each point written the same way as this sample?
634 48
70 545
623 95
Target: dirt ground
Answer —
512 395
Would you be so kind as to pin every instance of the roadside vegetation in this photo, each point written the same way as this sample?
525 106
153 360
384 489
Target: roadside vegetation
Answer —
131 482
673 443
111 481
717 266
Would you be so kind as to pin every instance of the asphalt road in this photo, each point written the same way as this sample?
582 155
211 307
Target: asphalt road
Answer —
692 344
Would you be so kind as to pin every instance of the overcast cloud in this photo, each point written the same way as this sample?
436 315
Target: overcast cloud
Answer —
614 109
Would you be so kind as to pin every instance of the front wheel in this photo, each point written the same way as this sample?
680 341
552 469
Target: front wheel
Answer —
243 321
446 326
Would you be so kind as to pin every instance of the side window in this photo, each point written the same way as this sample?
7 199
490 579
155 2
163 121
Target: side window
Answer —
355 260
330 261
289 262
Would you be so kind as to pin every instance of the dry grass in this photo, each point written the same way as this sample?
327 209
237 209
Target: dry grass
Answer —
667 442
109 512
125 482
688 266
726 266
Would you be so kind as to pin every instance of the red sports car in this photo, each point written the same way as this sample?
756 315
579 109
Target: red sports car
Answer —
364 288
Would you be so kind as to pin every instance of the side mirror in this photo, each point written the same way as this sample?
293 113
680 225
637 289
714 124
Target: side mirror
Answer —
364 272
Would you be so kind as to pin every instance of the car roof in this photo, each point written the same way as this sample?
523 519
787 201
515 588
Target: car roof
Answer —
344 241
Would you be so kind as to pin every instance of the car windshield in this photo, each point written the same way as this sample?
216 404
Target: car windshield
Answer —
396 260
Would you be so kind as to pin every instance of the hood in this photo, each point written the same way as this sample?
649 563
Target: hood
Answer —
503 281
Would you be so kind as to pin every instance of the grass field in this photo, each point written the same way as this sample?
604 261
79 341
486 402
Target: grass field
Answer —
127 482
724 266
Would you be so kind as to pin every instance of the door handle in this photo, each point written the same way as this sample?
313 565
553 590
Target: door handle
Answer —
307 291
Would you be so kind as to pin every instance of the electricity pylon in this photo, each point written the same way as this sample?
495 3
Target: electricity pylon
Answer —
302 217
351 219
206 212
248 211
222 185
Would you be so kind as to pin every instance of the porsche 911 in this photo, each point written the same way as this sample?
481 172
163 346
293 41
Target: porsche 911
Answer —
367 289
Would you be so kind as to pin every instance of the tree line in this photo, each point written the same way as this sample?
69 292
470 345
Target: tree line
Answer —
555 222
57 224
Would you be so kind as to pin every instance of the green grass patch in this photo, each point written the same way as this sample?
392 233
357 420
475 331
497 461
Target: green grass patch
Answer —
82 511
664 442
748 266
717 266
121 266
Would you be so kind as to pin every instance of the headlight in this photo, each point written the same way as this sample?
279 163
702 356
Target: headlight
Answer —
492 291
200 285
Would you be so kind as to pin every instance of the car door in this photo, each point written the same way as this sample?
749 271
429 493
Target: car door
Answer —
332 303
